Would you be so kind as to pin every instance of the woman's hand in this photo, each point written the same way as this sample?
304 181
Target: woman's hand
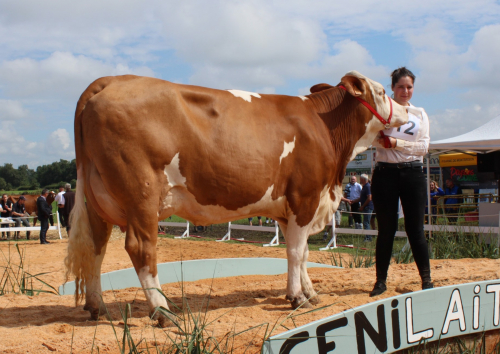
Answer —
391 139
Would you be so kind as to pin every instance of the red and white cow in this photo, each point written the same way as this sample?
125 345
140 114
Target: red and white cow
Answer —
147 149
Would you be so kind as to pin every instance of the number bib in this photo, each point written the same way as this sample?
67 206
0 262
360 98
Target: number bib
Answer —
406 132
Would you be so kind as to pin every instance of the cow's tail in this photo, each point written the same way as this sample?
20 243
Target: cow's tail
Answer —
80 258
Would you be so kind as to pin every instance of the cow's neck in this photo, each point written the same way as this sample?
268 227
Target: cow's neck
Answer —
345 120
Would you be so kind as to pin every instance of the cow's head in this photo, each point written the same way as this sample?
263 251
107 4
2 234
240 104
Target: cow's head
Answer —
373 93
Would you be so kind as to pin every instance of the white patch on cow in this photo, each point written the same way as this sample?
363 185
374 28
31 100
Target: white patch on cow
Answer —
173 173
152 283
303 98
287 149
366 140
181 202
247 96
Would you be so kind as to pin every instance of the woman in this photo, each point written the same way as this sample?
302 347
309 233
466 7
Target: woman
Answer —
398 175
436 192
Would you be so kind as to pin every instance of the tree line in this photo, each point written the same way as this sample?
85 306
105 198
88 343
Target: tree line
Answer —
45 176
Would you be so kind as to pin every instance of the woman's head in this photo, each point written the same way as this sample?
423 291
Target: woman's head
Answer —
402 85
433 185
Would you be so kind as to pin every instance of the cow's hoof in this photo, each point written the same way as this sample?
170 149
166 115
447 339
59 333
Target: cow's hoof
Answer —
299 302
315 300
163 320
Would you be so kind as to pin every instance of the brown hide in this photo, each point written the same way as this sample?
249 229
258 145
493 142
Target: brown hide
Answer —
229 149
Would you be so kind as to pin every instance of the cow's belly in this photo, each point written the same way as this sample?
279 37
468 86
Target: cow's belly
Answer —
326 208
181 202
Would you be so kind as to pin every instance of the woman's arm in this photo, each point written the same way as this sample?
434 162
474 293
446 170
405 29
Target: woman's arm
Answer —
416 148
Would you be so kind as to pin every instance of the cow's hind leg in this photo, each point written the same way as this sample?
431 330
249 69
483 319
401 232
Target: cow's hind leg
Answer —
307 287
296 238
101 231
142 235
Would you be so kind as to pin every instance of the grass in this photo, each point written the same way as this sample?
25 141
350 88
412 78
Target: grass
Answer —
16 279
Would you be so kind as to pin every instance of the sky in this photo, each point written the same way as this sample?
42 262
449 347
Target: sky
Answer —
51 50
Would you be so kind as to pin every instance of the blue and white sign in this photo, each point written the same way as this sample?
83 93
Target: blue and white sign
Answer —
397 323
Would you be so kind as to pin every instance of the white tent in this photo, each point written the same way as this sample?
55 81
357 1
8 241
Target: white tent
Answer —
483 139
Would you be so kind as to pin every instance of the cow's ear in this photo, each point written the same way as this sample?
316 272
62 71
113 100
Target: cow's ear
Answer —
320 87
353 85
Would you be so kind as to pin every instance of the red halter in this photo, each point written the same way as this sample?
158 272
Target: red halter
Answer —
387 143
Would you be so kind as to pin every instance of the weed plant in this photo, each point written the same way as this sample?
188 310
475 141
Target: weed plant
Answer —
16 279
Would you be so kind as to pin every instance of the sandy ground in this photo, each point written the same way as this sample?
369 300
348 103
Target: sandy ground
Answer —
46 323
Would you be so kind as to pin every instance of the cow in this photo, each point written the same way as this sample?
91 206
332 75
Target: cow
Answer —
147 149
30 204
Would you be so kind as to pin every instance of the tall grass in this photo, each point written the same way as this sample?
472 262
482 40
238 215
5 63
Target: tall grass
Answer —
16 279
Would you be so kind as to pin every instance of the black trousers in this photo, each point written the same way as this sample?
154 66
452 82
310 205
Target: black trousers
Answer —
355 210
409 185
62 217
44 226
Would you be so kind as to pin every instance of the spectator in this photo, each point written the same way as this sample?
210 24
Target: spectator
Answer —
44 212
6 206
60 205
354 194
436 192
258 217
366 204
452 204
69 203
20 215
269 220
347 195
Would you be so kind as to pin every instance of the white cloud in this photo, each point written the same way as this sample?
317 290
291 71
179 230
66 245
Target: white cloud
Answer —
11 110
61 75
59 140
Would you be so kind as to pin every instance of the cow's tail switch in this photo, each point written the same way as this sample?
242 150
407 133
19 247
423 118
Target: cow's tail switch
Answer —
80 259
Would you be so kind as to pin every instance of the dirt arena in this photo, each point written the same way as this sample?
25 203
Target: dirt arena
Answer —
51 323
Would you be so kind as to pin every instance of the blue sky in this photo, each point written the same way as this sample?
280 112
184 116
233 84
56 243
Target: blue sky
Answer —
51 51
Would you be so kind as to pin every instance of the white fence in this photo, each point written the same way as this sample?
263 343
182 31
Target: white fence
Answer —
30 228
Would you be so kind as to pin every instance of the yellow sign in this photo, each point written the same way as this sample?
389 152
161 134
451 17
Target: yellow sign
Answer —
452 160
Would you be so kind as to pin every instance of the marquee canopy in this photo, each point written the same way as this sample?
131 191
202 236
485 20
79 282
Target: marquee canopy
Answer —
483 139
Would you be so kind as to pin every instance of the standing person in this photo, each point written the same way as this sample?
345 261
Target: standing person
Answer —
436 192
354 194
345 199
44 211
399 175
452 204
366 207
6 209
20 215
60 205
69 203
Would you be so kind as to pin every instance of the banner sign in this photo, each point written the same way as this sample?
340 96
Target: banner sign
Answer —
465 176
450 160
363 161
397 323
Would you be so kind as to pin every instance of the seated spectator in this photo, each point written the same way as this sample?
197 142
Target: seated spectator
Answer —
20 215
452 204
6 209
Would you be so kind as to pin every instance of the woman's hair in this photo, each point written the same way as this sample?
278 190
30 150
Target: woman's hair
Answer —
399 73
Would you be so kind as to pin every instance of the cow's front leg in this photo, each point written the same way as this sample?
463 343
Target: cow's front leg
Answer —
296 239
307 287
140 244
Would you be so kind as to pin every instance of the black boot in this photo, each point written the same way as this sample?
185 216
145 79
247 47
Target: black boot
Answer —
378 289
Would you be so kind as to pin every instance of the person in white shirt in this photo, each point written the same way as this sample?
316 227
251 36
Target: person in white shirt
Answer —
398 175
354 193
60 204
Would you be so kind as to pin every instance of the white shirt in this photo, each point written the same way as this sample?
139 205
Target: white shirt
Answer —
60 198
355 191
412 139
